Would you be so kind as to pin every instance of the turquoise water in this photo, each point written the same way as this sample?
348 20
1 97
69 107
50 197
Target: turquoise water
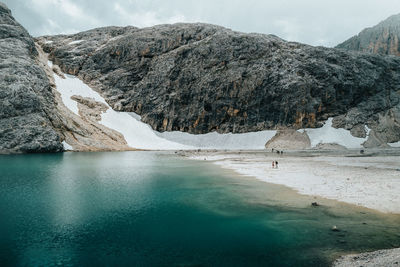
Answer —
155 209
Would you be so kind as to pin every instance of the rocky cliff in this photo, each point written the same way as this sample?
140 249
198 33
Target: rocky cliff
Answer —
199 78
381 39
26 99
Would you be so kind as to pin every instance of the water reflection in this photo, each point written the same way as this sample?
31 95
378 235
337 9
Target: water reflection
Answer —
148 208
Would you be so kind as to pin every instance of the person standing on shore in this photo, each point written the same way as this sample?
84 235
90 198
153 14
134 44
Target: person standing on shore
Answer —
273 164
276 164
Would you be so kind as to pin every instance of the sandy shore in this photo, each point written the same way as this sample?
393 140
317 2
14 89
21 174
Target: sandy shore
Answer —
371 181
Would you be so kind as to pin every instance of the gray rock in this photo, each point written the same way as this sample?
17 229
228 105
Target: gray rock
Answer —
26 99
200 78
381 39
289 139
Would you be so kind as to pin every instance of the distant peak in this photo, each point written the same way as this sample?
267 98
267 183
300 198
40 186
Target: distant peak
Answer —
382 38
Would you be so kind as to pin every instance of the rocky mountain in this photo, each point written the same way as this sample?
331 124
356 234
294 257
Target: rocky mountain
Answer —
194 78
26 99
199 78
381 39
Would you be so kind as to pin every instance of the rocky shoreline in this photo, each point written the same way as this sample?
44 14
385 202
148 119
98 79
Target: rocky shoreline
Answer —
379 258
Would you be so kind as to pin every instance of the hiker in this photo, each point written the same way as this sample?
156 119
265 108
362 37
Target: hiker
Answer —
273 164
276 164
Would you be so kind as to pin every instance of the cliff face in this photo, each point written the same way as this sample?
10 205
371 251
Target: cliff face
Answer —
26 99
199 78
381 39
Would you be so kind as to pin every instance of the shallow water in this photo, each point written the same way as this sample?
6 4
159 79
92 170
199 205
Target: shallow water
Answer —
155 209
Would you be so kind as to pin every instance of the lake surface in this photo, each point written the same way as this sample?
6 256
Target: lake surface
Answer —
156 209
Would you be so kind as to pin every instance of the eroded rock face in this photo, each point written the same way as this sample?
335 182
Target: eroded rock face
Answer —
83 132
26 99
200 78
382 39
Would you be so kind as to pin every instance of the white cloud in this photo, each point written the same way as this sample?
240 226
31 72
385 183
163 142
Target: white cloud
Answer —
289 28
144 18
315 22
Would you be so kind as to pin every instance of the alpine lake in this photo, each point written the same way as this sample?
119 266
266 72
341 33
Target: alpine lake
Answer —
160 209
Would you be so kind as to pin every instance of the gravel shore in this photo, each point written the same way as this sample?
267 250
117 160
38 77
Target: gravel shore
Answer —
384 258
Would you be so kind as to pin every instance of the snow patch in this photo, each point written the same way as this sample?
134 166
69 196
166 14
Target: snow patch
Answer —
75 42
137 134
67 146
48 42
214 140
329 134
396 144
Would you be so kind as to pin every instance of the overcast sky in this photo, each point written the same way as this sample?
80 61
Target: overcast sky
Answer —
315 22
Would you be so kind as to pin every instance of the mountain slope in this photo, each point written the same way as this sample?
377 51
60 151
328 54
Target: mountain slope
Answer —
199 78
381 39
25 95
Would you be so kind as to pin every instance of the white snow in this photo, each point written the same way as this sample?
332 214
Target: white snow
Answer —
214 140
67 146
75 42
329 134
48 42
396 144
137 134
372 182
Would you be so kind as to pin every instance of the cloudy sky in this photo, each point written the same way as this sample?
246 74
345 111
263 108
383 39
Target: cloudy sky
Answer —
315 22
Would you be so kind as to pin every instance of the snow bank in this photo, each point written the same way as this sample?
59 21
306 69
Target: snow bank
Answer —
329 134
67 146
396 144
75 42
137 134
252 140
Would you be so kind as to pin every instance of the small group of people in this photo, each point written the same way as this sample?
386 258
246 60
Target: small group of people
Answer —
274 164
277 151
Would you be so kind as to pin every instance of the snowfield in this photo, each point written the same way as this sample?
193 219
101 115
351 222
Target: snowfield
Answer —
329 134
